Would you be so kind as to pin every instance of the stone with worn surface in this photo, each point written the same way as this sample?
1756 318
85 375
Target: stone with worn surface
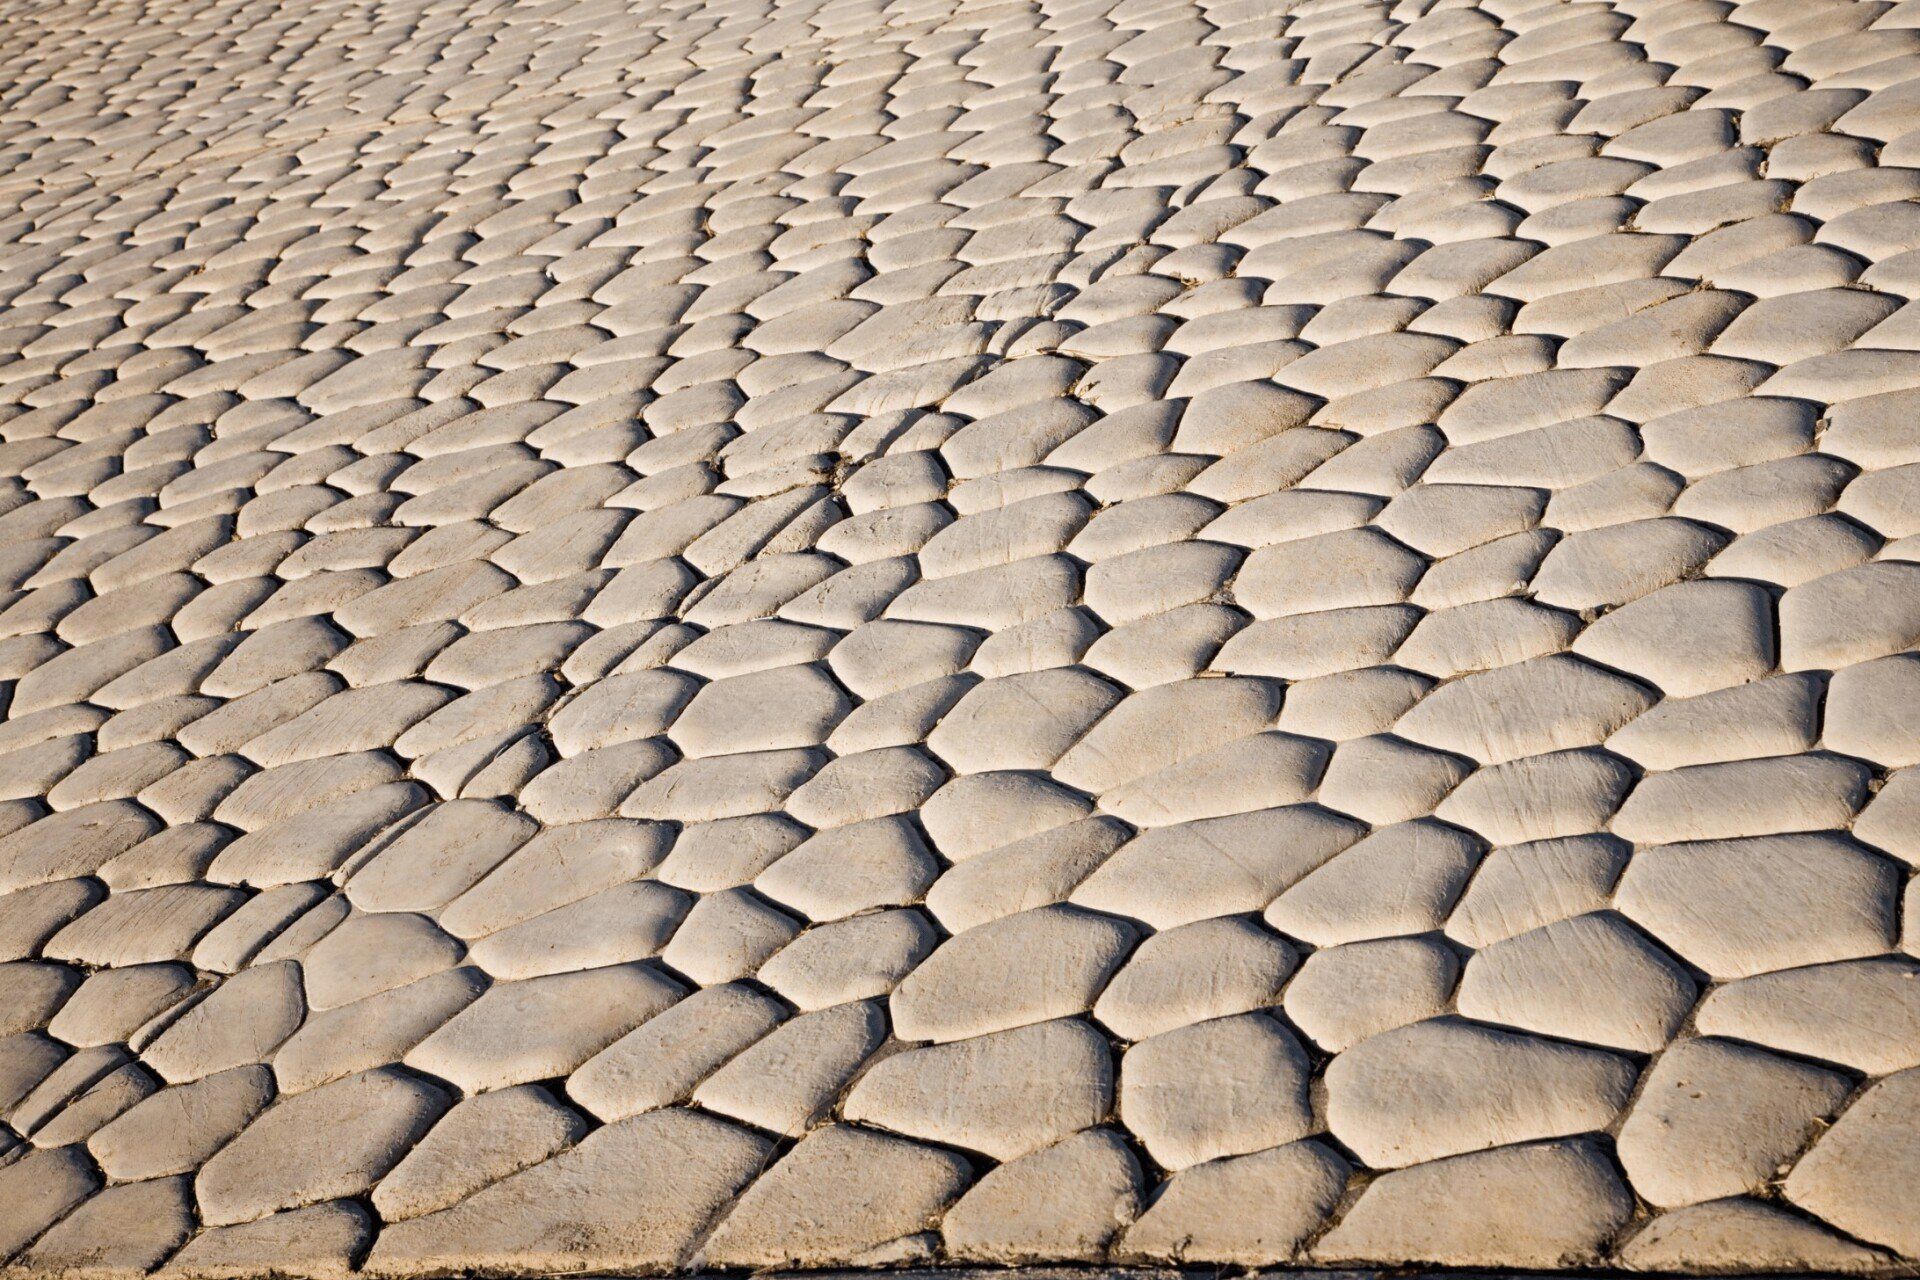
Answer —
797 1213
637 1194
544 1027
1540 1206
1067 1202
1856 1174
480 1141
1251 1210
1020 969
1005 1094
1717 1119
1440 1088
1225 1087
298 1152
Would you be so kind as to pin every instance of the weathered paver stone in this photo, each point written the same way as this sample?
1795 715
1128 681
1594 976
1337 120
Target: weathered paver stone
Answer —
635 1195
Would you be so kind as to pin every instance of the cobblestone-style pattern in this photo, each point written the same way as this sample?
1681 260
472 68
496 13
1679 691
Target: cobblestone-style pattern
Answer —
642 635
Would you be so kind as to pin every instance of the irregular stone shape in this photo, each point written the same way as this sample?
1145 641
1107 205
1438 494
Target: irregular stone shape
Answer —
1853 615
1222 1088
797 1213
1553 1204
1171 876
242 1021
1402 879
1717 1119
766 711
1741 907
1066 1202
1743 1233
661 1061
1542 705
322 1241
31 994
1159 727
439 857
123 1230
1811 1012
1006 1094
1743 798
175 1130
112 1004
1193 973
1442 1088
728 936
875 863
480 1141
1593 978
627 922
1026 968
1870 711
1858 1173
1522 887
367 954
329 1143
559 865
635 1195
374 1031
39 1189
543 1027
1728 625
854 959
1021 721
789 1080
1778 716
143 926
1342 995
1248 1210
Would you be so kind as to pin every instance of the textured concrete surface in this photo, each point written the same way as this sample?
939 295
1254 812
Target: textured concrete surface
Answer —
644 636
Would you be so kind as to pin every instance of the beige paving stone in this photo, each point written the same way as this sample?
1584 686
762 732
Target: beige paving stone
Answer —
1541 1205
795 1215
1225 1087
1852 1175
1753 906
1441 1088
517 1033
241 1021
1203 1212
1171 876
42 1187
1342 995
320 1241
1807 1011
1068 1201
298 1152
1004 1094
614 926
175 1130
1592 978
1746 1232
124 1230
475 1144
1402 879
1194 973
1025 968
372 1031
1716 1119
639 1193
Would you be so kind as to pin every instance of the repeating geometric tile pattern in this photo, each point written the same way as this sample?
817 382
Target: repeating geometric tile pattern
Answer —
643 635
